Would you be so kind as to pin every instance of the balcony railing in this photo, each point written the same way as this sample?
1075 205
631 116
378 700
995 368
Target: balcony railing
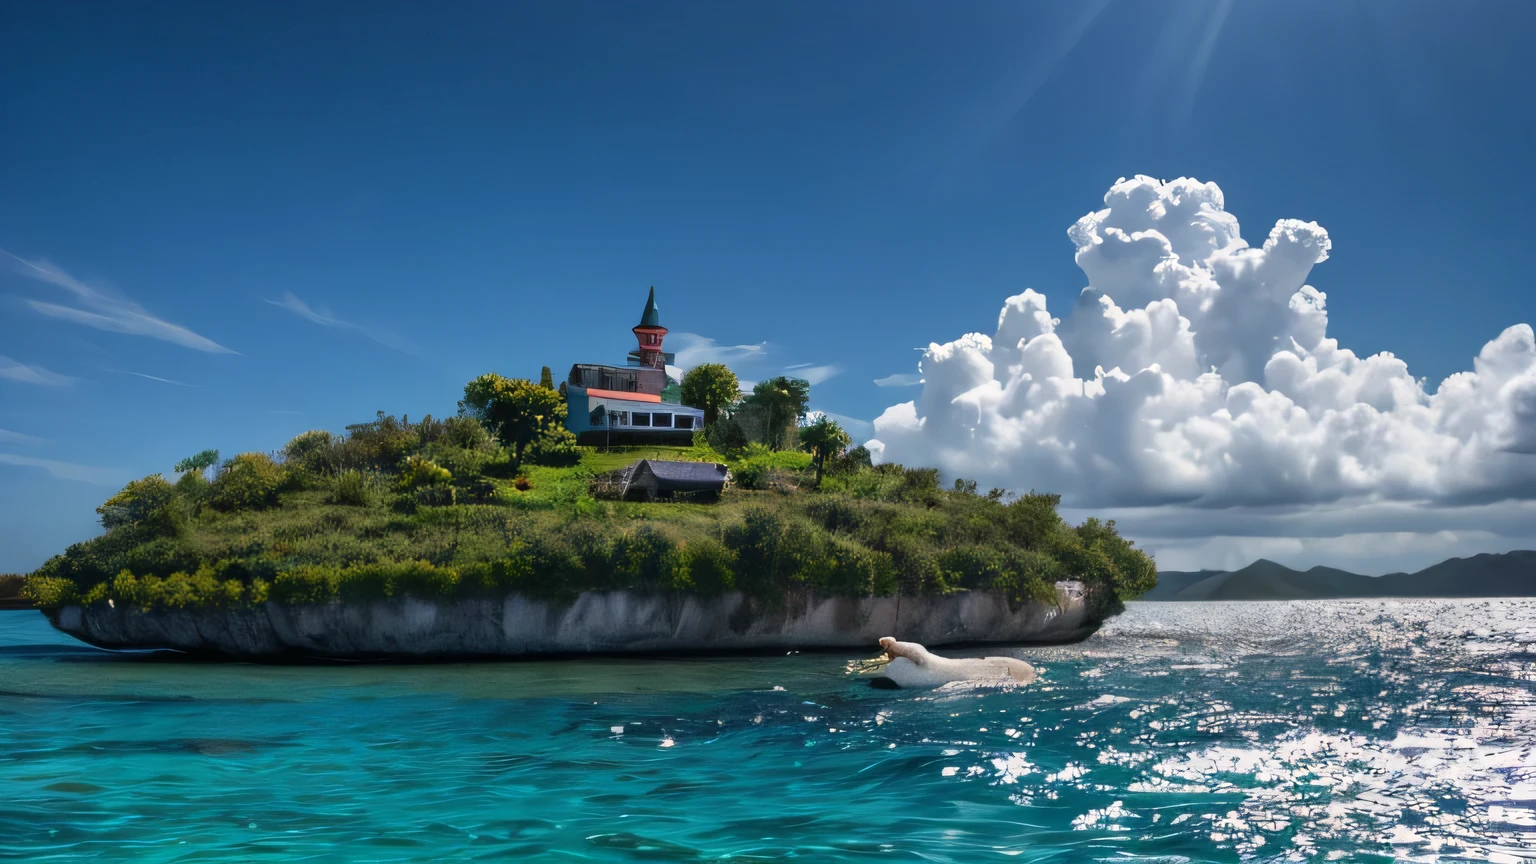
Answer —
604 378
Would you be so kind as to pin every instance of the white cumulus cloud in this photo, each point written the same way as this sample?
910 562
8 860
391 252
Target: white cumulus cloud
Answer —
1196 369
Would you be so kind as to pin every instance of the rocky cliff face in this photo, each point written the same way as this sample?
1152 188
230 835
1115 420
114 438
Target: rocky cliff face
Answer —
606 622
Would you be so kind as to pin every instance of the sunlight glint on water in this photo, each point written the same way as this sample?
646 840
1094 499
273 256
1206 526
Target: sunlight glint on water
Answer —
1264 731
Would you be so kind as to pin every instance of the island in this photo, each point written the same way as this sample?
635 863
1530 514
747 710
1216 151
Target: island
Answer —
626 509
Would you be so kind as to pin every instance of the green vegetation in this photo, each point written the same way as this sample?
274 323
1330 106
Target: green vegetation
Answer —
10 592
711 387
198 462
825 440
496 500
520 414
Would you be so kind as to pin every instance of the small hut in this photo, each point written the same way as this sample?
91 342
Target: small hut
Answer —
652 479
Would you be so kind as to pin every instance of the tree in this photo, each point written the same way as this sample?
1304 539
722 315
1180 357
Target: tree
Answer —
198 462
711 387
516 410
140 501
783 402
825 440
546 379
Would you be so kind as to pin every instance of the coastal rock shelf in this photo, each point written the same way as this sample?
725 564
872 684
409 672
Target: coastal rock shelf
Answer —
612 622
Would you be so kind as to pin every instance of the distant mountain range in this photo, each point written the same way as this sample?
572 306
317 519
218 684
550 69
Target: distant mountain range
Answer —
1512 574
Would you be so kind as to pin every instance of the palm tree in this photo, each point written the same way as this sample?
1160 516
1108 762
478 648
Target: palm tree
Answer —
824 439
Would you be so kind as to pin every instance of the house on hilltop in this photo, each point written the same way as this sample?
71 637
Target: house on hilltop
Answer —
636 403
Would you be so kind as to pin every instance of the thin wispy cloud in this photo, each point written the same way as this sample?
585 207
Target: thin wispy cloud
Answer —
900 379
9 437
325 318
814 374
15 370
696 350
97 309
65 470
852 425
750 361
152 377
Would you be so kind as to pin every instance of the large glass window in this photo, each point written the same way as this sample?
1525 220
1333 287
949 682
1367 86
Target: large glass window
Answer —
683 421
640 418
662 421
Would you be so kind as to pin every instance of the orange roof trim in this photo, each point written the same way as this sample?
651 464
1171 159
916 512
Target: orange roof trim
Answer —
625 395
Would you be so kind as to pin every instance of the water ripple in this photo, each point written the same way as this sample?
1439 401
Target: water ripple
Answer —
1182 732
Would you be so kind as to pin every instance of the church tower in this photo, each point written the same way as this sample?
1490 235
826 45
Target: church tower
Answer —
650 333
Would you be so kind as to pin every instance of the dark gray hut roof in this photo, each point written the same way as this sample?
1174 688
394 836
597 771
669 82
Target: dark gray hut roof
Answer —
683 476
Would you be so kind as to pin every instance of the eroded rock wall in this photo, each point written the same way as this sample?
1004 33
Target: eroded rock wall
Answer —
597 622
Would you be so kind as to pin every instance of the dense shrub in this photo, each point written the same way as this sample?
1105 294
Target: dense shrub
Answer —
916 565
375 581
313 451
49 592
830 565
726 436
711 568
219 587
856 459
752 475
970 568
644 557
380 445
419 471
517 410
1030 577
306 585
150 505
919 485
462 433
1032 520
555 446
461 462
353 488
192 486
764 560
250 481
758 467
515 570
205 587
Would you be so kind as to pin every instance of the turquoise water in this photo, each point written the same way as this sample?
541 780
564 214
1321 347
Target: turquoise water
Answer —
1200 732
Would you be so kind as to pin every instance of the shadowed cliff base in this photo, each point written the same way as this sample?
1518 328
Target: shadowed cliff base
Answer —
595 624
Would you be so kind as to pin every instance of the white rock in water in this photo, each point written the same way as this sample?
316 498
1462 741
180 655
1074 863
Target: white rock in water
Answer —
912 665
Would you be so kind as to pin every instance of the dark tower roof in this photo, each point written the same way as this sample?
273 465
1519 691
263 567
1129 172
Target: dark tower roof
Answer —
651 317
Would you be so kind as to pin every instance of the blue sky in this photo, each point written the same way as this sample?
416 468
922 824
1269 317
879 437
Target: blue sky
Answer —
354 207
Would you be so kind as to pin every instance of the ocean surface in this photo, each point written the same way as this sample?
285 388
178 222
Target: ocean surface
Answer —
1320 731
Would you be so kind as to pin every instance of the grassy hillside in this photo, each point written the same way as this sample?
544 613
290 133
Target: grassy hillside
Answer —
439 508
